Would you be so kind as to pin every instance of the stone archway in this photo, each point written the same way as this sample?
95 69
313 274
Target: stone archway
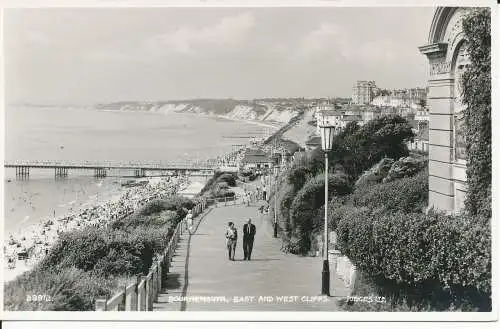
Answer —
447 60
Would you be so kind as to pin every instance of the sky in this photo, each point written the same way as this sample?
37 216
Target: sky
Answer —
88 55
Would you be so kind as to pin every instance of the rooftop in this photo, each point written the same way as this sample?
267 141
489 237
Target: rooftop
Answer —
314 141
257 159
330 113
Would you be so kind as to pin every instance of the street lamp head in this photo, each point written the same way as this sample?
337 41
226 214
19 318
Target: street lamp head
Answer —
327 133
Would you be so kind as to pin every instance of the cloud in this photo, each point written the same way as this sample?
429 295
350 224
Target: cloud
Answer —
229 31
318 40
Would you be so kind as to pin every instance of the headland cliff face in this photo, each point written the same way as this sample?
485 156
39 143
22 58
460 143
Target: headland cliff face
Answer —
277 112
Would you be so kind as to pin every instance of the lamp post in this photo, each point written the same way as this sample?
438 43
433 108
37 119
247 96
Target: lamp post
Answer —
327 133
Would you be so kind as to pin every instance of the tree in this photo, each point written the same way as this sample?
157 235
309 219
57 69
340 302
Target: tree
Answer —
362 147
476 86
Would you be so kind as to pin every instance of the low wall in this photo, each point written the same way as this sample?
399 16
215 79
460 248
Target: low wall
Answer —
340 264
343 268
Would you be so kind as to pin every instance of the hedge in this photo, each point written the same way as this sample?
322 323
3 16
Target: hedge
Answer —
305 206
228 178
299 175
432 259
408 194
69 289
110 252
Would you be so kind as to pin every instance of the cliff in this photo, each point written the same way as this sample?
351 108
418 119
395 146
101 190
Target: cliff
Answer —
265 111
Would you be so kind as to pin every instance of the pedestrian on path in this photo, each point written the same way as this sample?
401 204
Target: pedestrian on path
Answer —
231 239
189 221
248 238
264 193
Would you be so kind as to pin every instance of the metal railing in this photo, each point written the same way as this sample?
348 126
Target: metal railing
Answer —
143 292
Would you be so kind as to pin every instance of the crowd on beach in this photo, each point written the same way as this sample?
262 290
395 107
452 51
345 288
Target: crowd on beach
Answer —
33 243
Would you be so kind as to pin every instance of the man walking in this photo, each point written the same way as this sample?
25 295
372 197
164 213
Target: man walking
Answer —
248 237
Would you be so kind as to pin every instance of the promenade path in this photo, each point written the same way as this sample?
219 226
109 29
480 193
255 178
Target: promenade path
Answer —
201 267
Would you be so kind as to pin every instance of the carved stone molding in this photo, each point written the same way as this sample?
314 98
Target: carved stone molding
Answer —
440 68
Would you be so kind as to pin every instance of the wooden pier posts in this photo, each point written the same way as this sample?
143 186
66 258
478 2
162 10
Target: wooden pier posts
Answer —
22 172
61 172
100 172
140 172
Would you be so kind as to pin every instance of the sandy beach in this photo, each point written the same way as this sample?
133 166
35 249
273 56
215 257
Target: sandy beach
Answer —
25 249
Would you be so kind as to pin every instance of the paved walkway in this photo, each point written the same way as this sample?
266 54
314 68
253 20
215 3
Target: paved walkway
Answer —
201 268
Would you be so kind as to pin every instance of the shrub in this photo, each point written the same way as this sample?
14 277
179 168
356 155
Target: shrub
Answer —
434 259
81 248
70 289
376 174
298 176
152 207
228 178
305 206
111 252
405 194
210 183
284 194
157 212
359 148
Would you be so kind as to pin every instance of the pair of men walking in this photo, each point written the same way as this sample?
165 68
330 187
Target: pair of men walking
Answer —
248 238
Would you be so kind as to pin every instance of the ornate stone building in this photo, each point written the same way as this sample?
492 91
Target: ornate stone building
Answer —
447 61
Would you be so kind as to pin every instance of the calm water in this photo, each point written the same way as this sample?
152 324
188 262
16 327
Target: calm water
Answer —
77 134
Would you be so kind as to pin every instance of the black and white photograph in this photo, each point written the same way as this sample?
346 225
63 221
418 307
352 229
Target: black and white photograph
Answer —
311 161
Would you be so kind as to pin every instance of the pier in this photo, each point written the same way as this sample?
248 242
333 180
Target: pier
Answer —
22 172
102 169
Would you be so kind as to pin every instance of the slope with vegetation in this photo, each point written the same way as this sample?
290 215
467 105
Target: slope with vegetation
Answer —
92 262
377 205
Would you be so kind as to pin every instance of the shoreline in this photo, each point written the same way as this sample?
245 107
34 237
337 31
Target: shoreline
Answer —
41 236
276 125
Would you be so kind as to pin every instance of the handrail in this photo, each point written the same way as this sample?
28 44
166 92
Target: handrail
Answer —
140 295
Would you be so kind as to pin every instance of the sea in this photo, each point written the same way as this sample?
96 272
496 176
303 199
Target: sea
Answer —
86 134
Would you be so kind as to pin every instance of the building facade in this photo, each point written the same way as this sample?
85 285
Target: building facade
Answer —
363 92
414 98
336 118
445 51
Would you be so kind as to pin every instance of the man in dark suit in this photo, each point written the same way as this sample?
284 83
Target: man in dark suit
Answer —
248 236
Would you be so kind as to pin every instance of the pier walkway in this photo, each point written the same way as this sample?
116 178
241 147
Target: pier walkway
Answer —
200 268
102 169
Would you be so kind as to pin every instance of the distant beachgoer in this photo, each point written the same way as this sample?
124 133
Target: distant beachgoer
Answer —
231 240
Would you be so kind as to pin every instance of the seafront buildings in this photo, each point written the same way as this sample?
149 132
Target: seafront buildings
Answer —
363 92
367 93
